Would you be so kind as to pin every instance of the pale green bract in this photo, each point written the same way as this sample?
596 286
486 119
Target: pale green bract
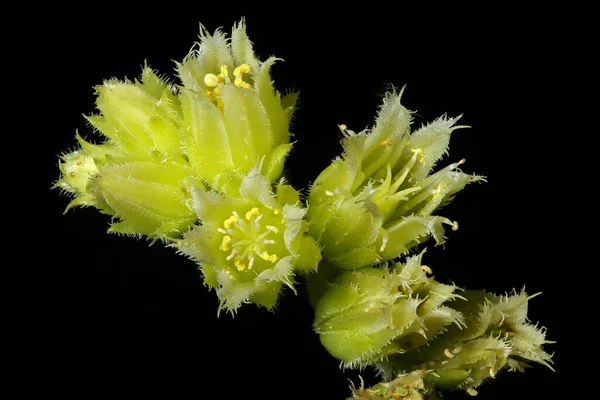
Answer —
199 166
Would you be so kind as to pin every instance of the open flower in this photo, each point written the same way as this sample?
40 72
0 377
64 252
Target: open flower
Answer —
250 245
233 118
378 200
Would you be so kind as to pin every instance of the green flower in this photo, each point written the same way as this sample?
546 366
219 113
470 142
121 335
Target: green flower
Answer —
233 118
250 245
378 200
371 313
139 174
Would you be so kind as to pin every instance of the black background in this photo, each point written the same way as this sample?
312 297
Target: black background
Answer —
124 318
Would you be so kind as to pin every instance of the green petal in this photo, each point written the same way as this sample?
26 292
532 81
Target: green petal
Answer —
275 160
207 141
309 254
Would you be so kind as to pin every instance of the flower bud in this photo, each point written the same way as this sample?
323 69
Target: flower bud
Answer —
371 313
141 120
150 199
378 200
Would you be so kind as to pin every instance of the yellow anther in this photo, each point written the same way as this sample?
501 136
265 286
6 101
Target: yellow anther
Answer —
268 257
386 141
231 220
224 243
240 83
239 264
241 69
448 353
224 71
211 80
252 213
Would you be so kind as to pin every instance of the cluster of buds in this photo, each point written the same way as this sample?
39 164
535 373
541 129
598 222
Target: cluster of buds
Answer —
377 201
199 165
139 174
496 336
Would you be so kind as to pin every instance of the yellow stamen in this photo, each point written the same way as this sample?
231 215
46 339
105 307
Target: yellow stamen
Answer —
224 71
241 69
268 257
211 80
224 243
239 264
240 83
231 220
252 213
385 141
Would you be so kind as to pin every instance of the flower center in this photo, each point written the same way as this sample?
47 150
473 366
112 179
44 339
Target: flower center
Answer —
215 82
246 238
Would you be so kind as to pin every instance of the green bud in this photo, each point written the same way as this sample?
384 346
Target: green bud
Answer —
149 198
141 120
377 201
250 245
76 169
233 118
371 313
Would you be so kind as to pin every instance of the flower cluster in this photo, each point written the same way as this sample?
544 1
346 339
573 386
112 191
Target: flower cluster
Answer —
199 165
